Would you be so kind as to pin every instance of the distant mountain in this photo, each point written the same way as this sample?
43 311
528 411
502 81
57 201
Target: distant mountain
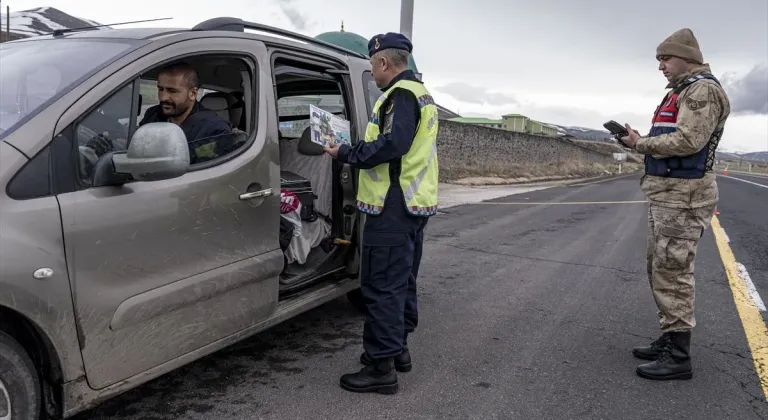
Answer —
42 21
726 155
583 133
753 156
756 156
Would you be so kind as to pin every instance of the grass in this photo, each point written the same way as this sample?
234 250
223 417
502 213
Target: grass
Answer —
521 172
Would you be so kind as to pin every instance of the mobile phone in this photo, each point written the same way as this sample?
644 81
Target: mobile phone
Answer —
616 129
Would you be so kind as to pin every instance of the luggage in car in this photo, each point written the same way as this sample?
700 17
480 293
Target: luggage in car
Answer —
303 189
286 233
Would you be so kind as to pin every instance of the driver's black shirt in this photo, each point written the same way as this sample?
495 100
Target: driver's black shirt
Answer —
199 124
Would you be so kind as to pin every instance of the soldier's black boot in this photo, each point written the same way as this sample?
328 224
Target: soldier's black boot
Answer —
651 352
380 376
402 360
674 361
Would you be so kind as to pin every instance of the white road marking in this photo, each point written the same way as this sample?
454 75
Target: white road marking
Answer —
725 235
749 182
451 195
750 286
755 174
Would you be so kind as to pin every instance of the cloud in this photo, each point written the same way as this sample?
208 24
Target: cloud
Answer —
748 94
297 18
476 95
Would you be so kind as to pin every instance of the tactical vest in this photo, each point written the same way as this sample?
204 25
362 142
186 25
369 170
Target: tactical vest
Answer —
665 122
418 174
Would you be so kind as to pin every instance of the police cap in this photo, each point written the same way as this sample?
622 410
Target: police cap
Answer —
387 41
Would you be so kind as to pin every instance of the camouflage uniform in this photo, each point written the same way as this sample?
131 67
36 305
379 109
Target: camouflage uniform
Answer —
681 205
681 209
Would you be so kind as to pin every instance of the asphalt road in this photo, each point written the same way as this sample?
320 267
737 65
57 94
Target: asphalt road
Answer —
744 215
528 311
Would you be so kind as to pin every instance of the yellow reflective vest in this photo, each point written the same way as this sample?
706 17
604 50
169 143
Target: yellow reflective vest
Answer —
418 176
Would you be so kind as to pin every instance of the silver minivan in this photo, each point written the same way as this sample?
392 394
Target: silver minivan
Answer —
119 265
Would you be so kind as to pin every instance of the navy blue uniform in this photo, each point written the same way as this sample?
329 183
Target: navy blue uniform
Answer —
393 240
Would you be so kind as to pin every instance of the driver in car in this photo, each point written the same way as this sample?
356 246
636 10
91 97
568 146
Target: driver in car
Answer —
177 87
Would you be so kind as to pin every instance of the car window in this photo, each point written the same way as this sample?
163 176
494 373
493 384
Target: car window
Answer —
293 111
218 123
104 129
148 92
36 72
209 148
371 89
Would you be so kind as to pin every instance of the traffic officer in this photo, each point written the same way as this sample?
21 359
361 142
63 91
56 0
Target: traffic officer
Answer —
682 191
397 191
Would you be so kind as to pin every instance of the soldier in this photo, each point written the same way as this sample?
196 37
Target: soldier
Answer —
397 191
682 190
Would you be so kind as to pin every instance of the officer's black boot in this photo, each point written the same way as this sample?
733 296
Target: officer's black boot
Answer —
402 360
674 361
379 376
651 352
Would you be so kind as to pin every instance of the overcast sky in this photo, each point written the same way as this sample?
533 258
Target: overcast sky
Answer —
568 62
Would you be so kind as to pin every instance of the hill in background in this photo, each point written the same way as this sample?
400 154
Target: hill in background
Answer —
40 21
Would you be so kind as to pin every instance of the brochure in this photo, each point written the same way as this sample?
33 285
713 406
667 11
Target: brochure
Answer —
326 127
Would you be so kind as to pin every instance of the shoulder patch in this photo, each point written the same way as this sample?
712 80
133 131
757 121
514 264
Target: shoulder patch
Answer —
694 104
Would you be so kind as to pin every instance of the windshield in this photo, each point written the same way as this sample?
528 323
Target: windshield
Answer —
35 72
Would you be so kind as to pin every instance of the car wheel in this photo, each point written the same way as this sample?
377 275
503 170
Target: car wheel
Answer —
19 384
355 297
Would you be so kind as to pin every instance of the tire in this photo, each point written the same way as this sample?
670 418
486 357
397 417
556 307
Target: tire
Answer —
355 298
19 383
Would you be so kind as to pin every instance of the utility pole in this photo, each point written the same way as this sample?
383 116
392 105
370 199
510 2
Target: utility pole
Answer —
406 18
7 23
406 22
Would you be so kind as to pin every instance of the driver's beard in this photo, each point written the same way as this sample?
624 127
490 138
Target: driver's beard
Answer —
178 109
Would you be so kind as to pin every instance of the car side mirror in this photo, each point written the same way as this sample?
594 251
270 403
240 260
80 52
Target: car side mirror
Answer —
157 151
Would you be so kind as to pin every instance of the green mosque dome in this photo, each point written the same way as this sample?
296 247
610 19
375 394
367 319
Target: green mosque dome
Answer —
354 42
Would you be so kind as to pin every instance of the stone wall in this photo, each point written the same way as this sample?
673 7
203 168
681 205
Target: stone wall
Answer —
610 148
470 150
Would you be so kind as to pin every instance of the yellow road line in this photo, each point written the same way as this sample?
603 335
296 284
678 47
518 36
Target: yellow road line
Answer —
754 325
524 203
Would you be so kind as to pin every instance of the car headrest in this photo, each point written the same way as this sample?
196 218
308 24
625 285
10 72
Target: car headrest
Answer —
224 104
307 146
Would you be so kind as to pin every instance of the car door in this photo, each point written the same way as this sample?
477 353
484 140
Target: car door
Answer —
161 269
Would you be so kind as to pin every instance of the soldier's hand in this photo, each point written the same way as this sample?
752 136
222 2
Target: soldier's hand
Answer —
630 139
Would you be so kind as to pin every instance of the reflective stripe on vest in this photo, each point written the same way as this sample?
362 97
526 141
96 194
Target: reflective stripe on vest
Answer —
665 122
419 168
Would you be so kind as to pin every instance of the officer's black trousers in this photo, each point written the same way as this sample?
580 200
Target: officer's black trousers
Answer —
392 247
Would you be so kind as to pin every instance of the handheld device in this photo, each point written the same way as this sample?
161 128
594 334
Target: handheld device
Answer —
616 129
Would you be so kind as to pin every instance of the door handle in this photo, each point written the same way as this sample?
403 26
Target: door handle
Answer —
256 194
